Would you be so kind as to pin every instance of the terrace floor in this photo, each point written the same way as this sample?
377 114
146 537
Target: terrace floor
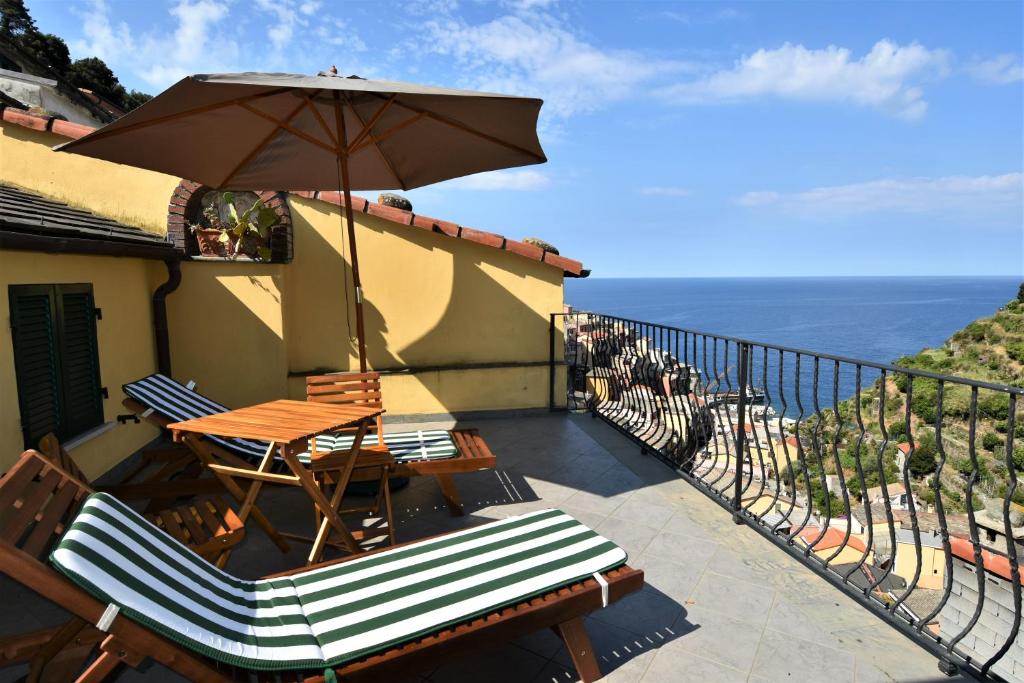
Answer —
721 603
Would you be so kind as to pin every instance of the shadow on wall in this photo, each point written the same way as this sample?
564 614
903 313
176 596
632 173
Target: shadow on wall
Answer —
226 331
454 312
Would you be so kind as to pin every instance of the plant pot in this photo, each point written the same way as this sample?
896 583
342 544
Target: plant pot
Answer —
210 243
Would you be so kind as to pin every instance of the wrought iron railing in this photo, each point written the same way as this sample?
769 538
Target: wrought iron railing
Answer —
897 485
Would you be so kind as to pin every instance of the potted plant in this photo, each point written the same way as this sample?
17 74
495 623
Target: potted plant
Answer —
245 233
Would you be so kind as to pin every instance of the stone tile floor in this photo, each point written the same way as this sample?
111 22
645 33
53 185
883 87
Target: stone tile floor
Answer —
721 603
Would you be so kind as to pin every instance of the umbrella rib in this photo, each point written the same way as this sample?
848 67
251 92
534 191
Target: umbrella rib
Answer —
366 127
263 143
469 129
323 123
374 139
105 132
283 124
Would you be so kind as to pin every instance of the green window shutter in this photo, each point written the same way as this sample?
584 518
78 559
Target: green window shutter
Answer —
79 359
56 360
36 362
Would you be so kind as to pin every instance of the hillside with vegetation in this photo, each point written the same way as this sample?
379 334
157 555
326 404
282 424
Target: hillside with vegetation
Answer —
955 438
50 52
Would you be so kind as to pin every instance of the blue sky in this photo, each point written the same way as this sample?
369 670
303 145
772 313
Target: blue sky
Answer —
684 139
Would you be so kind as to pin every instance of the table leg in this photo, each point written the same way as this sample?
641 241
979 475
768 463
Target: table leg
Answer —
331 517
254 488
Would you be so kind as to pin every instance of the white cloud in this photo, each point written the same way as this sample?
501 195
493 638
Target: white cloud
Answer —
522 181
665 191
999 70
758 198
195 45
336 32
532 52
103 38
910 195
309 8
887 78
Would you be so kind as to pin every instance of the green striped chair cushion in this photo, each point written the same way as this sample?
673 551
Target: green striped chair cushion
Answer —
327 616
432 444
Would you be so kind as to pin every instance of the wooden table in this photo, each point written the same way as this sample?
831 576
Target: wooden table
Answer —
288 427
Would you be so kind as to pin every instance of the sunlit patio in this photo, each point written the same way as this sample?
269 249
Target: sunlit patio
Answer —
720 603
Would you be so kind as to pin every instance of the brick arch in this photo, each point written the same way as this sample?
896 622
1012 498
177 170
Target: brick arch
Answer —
186 204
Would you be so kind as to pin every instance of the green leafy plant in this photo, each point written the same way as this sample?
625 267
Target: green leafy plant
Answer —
246 232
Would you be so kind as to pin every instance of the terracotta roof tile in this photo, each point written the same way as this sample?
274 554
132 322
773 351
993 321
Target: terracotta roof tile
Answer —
523 249
569 266
997 564
489 239
833 538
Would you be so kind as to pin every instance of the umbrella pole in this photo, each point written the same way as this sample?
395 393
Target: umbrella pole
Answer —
356 282
346 189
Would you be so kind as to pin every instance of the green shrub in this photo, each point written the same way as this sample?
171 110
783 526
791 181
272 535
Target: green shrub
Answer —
922 459
990 441
994 404
975 331
1015 350
924 400
898 430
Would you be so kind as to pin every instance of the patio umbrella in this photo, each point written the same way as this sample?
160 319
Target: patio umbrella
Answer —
255 131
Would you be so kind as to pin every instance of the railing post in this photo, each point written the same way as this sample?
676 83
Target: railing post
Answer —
551 363
741 431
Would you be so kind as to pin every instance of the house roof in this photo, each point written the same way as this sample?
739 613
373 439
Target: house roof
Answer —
29 221
833 538
570 267
997 564
863 575
927 521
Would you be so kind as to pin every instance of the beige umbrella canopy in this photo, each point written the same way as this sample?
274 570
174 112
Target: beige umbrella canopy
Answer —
293 132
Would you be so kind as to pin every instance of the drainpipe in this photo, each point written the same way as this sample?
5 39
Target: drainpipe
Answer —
163 344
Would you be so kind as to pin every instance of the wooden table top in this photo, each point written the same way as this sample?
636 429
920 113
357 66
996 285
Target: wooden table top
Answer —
279 421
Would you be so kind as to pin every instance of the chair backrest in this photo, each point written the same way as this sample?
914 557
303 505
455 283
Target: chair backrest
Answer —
353 388
37 501
51 448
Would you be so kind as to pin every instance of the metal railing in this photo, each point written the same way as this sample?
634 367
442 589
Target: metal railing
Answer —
897 485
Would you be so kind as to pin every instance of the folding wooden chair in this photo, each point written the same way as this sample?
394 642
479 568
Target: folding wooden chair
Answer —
437 453
139 594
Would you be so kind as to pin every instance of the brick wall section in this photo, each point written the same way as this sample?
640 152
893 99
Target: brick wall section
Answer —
177 210
186 204
994 624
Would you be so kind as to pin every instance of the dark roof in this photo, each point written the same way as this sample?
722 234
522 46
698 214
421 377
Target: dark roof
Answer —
29 221
859 577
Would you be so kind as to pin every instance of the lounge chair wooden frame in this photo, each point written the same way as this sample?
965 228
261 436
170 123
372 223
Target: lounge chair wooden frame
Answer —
207 525
161 474
364 388
37 500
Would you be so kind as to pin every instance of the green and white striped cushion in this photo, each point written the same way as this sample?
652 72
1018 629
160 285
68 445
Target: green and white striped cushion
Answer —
430 444
323 617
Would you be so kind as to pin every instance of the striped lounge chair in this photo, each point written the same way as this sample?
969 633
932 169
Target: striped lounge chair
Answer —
439 453
140 594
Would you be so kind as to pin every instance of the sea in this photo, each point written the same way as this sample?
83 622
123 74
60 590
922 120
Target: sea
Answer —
876 319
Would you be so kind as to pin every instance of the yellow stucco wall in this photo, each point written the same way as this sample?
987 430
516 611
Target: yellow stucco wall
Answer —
123 193
933 565
239 329
121 287
429 301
